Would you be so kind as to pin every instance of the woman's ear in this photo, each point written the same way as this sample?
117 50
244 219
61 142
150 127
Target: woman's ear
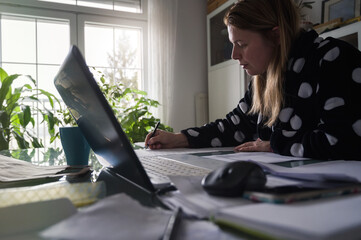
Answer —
275 35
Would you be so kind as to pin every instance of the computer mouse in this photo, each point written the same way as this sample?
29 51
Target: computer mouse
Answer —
232 179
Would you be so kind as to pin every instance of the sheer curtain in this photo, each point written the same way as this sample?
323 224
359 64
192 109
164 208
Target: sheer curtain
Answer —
162 41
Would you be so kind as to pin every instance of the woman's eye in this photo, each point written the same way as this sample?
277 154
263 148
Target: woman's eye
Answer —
241 45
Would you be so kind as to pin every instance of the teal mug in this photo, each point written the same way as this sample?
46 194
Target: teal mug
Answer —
75 146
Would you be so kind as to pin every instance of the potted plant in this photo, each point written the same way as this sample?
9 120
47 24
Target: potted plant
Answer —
131 107
17 108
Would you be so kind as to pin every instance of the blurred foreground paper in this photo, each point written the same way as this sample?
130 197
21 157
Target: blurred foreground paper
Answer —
79 194
115 217
15 173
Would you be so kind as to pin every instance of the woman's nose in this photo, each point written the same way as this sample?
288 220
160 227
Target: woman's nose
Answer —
236 54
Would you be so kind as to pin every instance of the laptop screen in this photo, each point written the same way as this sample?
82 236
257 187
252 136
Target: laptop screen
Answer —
95 118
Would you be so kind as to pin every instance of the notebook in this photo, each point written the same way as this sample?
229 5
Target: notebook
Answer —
95 118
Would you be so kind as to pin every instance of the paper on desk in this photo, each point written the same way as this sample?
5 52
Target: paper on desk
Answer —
348 171
14 171
26 220
115 217
78 193
163 152
335 218
264 157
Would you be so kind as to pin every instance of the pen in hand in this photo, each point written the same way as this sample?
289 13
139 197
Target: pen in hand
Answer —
153 133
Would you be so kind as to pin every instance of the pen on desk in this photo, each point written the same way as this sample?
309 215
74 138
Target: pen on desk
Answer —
153 133
172 225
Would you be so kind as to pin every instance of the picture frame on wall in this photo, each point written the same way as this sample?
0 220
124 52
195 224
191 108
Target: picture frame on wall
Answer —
344 9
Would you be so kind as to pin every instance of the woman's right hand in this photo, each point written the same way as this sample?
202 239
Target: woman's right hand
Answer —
163 139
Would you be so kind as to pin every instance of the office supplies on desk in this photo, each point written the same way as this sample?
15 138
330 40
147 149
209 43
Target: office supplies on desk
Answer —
79 194
115 217
18 173
173 225
263 157
25 221
104 134
337 218
337 171
234 178
154 131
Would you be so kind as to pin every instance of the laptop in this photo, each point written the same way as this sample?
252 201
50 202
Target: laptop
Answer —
95 118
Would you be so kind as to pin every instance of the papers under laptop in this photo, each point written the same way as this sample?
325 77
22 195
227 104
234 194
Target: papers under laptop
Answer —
95 118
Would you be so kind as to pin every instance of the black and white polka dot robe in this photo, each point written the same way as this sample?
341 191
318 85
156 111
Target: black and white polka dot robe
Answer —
321 117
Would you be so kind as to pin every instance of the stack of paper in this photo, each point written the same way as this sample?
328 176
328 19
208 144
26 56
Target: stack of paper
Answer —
18 173
321 219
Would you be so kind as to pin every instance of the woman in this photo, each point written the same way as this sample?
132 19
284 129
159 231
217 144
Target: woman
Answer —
304 97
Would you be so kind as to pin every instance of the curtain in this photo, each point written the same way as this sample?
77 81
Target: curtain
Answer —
162 20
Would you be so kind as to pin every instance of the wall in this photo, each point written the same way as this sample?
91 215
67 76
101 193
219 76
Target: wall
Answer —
190 61
191 58
314 14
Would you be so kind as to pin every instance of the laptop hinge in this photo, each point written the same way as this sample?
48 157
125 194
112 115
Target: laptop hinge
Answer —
116 183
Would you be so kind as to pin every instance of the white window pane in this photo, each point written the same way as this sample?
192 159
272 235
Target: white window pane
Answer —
18 40
98 45
24 69
46 78
127 6
53 41
129 77
127 48
97 4
72 2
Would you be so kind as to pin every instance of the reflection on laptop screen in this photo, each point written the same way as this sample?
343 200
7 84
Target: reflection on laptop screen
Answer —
95 118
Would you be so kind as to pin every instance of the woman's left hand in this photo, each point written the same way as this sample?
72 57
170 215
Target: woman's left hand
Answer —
254 146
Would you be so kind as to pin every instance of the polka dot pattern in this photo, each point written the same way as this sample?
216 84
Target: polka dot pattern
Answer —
305 90
285 114
334 102
193 133
323 43
332 54
259 120
288 134
357 127
221 127
311 91
239 136
235 119
216 142
243 106
298 66
318 40
296 122
331 139
297 150
356 75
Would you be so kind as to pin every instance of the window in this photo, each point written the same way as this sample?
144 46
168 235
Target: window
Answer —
34 46
120 5
119 54
34 41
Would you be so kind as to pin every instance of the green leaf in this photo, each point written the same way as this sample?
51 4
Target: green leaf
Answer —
5 87
3 74
22 143
27 116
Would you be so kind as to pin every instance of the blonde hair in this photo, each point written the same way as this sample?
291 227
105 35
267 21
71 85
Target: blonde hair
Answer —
262 16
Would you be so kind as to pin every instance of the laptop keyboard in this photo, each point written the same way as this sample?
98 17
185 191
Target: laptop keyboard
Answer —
160 167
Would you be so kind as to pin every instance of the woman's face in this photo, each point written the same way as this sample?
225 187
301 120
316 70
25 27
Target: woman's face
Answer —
251 49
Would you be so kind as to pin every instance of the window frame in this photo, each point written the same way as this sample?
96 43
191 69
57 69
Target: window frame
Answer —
81 9
101 20
78 16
